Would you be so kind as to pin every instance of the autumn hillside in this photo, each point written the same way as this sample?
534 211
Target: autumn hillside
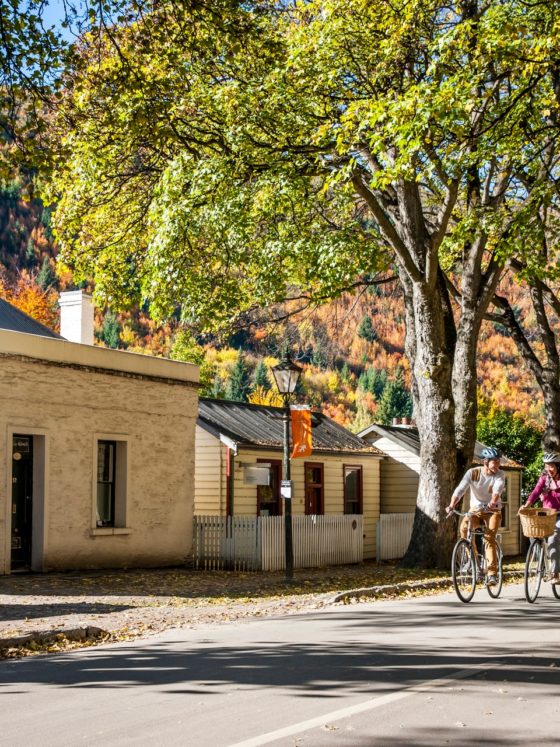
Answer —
352 350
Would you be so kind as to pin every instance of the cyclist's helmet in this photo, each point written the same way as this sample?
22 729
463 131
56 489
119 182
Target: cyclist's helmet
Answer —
489 452
551 457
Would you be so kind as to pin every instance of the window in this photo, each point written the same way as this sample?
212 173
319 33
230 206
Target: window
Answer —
110 486
268 496
506 503
106 453
314 486
352 489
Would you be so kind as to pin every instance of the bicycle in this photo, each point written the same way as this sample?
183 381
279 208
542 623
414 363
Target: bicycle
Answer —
537 525
469 565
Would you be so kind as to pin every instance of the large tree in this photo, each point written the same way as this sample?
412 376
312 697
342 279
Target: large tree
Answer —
536 265
217 156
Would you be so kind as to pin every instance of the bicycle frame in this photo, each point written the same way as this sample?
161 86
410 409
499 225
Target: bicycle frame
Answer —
538 569
468 564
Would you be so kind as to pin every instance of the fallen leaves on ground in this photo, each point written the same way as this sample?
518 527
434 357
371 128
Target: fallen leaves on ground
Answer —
127 604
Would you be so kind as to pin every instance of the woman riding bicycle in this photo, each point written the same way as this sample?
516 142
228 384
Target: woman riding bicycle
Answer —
548 490
486 486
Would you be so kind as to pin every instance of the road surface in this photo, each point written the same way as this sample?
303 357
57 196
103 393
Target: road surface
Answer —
423 671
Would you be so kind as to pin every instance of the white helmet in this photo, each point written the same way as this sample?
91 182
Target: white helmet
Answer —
551 457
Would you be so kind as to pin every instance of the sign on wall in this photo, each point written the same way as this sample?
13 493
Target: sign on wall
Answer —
256 474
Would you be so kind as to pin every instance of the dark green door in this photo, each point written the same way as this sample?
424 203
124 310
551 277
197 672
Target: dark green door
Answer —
22 500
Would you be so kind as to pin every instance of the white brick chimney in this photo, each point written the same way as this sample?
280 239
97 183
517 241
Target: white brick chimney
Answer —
76 316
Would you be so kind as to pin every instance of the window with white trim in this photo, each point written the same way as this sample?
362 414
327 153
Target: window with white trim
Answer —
111 483
506 502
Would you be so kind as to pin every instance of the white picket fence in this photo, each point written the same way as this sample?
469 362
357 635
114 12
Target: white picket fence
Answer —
250 543
393 535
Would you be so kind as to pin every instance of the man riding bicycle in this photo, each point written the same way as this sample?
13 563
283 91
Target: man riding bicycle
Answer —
486 485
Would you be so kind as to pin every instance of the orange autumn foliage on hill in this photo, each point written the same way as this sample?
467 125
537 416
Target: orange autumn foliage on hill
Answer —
26 295
329 340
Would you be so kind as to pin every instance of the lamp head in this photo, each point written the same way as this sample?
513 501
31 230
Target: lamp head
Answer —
286 375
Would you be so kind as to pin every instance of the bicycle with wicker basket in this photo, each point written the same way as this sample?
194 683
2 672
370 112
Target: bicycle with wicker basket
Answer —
468 564
537 524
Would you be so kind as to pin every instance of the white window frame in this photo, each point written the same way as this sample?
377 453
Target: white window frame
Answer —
506 503
122 482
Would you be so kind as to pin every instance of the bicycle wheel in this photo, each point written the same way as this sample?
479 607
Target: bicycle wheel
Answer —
496 590
463 570
548 562
533 570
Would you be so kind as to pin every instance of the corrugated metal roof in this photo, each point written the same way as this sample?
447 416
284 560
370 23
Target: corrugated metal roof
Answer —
258 425
17 321
408 437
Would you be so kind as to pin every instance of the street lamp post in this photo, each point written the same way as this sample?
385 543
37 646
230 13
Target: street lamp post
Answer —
286 375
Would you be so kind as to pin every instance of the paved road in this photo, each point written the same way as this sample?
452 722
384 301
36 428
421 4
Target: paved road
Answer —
427 671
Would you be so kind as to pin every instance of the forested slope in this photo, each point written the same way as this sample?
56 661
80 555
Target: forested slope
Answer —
352 349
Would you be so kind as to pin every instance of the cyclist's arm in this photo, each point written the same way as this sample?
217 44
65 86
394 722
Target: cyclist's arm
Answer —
497 490
459 491
536 493
495 501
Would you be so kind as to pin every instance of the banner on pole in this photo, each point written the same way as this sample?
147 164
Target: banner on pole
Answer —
301 431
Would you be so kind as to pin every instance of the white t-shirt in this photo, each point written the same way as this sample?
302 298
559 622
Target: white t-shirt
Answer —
482 486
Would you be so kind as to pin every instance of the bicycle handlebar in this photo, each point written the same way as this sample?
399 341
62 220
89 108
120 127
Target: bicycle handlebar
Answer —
470 513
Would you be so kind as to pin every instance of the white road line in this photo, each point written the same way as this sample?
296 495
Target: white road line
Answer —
368 705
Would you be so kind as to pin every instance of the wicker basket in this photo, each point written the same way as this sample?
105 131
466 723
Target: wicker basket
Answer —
537 522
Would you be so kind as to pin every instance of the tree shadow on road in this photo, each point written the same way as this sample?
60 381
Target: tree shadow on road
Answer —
17 612
355 665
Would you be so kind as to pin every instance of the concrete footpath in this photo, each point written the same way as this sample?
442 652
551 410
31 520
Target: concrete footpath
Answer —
57 611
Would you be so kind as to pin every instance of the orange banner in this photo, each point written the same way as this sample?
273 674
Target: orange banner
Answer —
301 433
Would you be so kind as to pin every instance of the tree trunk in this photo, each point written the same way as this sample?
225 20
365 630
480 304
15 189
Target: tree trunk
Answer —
426 343
551 394
465 398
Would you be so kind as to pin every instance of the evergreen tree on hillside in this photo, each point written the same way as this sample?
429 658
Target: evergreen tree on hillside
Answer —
363 380
30 257
366 330
261 379
46 277
46 221
396 401
110 330
373 381
319 356
239 384
378 383
216 390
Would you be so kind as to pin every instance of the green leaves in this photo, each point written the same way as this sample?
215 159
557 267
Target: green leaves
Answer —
208 156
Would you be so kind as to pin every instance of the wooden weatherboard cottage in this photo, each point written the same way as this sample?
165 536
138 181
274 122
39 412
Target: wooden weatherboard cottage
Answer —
239 446
399 488
98 449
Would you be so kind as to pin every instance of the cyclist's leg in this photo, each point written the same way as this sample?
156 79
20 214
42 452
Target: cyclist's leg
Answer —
464 528
475 520
493 520
554 551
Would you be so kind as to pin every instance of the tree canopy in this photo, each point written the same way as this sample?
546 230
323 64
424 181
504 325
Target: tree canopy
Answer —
217 156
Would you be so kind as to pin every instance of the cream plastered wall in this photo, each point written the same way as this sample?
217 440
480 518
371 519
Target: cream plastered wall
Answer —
67 407
210 453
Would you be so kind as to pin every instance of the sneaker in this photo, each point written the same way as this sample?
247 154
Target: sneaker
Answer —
555 579
493 581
